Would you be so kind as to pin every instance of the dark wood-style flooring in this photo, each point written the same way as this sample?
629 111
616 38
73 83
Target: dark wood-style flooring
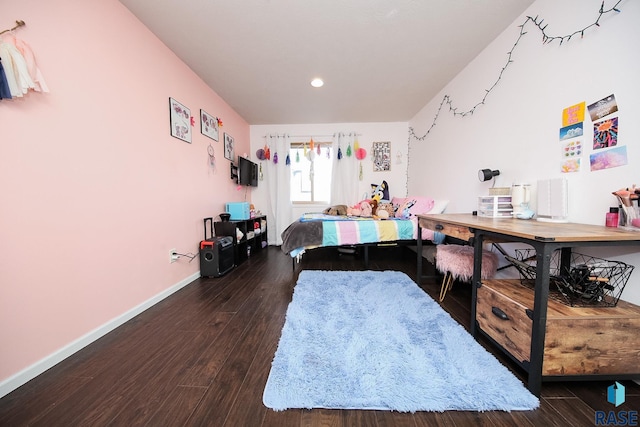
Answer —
202 357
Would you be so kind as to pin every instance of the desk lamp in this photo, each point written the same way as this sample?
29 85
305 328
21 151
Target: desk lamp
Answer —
487 174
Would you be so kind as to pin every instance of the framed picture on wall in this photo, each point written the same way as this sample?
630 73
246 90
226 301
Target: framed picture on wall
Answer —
208 125
180 120
381 156
229 153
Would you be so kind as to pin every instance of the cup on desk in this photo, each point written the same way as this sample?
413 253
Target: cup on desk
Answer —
520 199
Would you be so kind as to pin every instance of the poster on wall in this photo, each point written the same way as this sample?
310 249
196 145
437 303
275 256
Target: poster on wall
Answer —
571 131
572 149
180 120
574 114
229 151
208 125
570 165
602 108
605 133
607 159
381 156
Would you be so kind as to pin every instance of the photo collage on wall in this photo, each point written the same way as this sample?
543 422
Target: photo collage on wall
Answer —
181 122
606 152
571 134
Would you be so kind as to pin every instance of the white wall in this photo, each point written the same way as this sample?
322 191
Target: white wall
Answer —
395 132
517 129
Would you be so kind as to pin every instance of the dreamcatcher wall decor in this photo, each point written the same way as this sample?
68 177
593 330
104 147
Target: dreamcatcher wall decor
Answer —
212 156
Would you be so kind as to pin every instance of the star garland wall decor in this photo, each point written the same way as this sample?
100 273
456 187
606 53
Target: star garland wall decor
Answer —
546 39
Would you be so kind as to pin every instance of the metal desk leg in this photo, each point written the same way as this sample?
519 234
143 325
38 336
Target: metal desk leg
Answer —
476 279
419 255
366 257
541 296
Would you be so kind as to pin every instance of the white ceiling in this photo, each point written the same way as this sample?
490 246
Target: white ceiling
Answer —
382 60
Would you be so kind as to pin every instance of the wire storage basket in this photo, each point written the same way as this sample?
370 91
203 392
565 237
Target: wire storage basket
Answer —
589 281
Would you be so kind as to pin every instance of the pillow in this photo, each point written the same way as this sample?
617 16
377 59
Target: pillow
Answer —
439 206
413 206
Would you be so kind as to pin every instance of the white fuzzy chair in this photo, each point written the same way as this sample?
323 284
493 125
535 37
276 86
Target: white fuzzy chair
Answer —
456 263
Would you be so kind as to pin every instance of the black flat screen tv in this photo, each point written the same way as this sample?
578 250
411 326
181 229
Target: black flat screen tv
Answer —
247 172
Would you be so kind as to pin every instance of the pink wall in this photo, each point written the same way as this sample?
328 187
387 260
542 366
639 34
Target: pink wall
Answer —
94 190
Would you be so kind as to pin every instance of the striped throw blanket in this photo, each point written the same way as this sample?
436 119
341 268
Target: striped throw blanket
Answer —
338 233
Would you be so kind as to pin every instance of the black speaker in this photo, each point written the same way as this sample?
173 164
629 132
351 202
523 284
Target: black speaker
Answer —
216 256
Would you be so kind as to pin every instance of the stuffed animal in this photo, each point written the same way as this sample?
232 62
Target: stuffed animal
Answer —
385 207
354 210
380 192
339 210
382 214
366 209
374 206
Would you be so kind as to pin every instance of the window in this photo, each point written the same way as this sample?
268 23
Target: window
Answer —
310 174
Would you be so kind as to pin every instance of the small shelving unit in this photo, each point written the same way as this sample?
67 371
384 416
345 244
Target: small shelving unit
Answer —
495 206
254 235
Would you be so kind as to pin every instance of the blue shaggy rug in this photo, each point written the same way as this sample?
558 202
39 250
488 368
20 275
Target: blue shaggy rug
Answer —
375 340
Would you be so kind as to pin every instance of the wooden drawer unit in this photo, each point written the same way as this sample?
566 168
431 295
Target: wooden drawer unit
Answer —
504 318
578 340
458 231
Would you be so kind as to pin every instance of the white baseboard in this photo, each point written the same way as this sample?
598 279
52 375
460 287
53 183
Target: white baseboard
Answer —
27 374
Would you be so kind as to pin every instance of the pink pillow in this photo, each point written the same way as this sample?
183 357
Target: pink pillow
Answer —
415 205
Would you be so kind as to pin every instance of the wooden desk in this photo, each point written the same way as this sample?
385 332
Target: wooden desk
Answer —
545 238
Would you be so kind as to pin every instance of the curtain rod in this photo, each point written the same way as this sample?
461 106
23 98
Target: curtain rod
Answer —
316 136
19 23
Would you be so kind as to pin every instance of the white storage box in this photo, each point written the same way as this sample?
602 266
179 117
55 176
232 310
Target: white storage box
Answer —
495 206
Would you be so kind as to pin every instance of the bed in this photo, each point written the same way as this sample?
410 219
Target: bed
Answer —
315 230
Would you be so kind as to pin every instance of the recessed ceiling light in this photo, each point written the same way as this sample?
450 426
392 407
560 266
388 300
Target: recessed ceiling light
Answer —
317 83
